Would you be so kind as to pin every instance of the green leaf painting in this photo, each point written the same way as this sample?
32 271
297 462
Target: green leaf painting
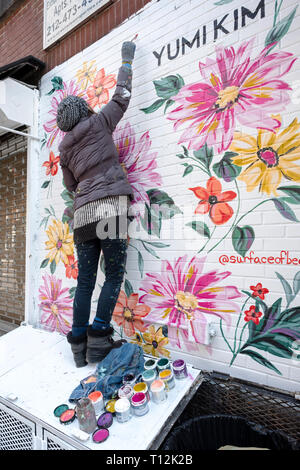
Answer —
168 86
293 193
242 239
225 169
165 88
154 106
280 29
57 84
285 210
200 227
223 2
128 288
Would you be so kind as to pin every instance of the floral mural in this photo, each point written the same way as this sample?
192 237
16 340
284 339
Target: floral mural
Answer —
231 135
183 296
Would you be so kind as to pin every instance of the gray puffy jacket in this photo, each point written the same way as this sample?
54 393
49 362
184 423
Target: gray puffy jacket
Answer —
88 156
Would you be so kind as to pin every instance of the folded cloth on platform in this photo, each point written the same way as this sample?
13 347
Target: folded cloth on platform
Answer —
128 359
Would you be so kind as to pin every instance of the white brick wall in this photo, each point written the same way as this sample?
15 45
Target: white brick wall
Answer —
159 24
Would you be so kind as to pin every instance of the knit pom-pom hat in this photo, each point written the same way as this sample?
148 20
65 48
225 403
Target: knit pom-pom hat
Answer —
69 112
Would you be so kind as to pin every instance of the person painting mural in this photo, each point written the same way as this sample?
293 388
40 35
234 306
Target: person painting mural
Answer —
90 164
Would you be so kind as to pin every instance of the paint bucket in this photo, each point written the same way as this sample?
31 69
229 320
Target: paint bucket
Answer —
122 408
110 406
167 377
149 376
163 364
97 400
158 391
126 391
150 364
139 404
142 387
179 369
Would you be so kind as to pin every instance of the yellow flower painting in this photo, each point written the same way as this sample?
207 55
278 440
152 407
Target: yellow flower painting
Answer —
87 74
155 342
60 242
269 158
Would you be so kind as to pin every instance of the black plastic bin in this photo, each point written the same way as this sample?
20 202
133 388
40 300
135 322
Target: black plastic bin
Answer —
214 431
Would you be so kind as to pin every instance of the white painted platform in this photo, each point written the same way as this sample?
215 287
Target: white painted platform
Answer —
38 368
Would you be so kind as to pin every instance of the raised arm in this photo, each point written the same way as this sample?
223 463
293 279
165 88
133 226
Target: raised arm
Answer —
115 109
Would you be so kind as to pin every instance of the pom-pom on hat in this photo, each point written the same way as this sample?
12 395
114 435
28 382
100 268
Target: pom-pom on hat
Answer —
69 112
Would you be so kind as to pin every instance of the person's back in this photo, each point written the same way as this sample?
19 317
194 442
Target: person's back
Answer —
91 169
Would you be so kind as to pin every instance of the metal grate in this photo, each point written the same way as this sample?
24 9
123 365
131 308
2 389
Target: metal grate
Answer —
14 433
220 394
51 445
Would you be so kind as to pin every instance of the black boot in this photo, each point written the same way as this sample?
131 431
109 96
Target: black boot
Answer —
78 346
100 343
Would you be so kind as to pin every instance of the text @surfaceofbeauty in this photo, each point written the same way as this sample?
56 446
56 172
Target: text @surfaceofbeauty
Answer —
284 258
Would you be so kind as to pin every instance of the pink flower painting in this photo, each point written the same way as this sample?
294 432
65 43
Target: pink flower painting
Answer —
183 296
139 160
50 126
234 88
56 305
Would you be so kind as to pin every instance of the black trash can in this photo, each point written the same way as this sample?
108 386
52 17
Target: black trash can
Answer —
214 431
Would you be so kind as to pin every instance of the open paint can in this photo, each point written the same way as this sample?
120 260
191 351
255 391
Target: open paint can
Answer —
149 376
129 379
168 378
158 391
142 387
139 404
163 363
122 407
126 391
179 368
150 364
97 400
100 435
110 406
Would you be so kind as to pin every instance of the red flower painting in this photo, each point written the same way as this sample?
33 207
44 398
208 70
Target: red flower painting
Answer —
259 291
252 315
214 202
129 314
71 267
51 164
98 93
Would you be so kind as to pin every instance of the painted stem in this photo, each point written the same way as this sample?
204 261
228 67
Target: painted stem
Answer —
238 322
204 246
206 170
239 348
251 210
277 10
224 337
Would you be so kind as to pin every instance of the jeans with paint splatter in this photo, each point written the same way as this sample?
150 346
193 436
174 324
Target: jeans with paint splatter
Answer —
88 253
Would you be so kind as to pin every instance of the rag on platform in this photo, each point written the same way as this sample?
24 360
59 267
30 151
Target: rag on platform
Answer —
128 359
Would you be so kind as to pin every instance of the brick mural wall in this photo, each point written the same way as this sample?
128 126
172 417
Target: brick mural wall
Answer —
13 177
211 142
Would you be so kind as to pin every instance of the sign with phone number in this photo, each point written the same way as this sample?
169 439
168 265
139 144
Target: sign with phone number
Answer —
61 16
